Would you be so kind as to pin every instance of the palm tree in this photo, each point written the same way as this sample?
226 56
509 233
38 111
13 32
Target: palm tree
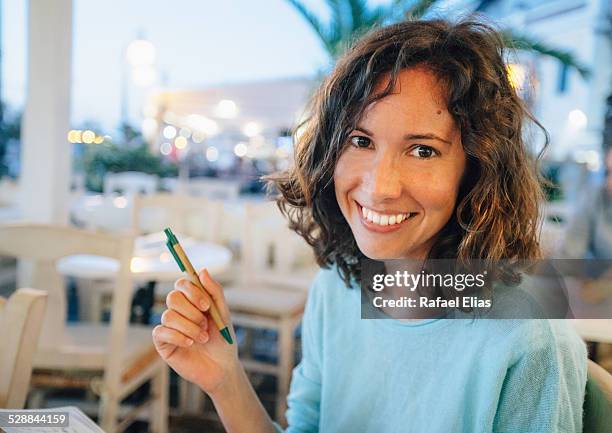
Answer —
352 18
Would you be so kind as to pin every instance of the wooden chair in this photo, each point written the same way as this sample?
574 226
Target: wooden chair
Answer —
218 189
112 359
197 217
270 294
20 320
130 183
597 415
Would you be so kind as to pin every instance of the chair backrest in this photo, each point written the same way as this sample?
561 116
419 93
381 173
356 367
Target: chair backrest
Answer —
268 246
196 217
41 246
598 400
216 189
130 183
20 320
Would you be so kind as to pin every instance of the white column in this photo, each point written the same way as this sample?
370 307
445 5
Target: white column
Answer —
46 158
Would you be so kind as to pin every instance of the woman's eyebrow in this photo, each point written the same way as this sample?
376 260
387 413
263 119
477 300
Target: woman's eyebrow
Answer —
428 136
407 137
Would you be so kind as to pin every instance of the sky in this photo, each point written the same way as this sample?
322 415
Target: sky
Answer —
198 43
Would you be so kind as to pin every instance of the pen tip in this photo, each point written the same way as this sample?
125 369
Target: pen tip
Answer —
226 334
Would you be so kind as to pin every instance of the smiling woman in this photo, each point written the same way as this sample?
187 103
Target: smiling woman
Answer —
414 150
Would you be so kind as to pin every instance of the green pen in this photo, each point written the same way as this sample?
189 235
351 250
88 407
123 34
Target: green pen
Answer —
185 265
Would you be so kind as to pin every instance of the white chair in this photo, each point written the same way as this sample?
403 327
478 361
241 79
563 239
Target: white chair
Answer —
112 359
20 320
186 215
271 293
130 183
216 189
197 217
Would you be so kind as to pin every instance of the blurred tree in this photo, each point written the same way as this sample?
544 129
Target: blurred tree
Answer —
350 19
132 155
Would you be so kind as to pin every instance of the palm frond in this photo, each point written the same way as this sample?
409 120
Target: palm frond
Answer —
314 22
339 25
379 15
359 12
515 40
418 9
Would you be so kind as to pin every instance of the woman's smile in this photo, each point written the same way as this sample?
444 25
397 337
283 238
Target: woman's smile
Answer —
383 221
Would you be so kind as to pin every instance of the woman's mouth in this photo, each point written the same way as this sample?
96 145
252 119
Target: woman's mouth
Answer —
383 221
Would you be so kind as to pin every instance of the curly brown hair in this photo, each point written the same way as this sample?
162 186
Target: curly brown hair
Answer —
497 212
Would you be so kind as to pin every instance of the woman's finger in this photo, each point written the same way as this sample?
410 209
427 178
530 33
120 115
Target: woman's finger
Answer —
216 292
198 297
163 335
176 300
173 320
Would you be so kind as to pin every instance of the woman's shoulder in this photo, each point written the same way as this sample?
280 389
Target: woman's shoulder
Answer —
328 280
328 287
552 339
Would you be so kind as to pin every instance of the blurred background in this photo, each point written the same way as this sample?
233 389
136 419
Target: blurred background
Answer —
124 117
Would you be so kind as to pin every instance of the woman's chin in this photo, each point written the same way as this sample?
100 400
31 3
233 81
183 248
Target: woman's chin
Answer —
380 252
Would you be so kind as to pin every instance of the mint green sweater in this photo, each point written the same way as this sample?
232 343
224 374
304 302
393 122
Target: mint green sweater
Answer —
433 376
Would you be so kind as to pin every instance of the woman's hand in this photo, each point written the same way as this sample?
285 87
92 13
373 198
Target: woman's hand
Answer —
188 339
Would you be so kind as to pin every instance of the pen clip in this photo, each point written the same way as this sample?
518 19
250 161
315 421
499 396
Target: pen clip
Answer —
176 257
172 240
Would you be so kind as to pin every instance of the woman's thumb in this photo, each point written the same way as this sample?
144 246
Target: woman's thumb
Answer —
215 290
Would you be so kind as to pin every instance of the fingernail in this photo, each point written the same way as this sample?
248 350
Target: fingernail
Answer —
189 342
204 305
203 337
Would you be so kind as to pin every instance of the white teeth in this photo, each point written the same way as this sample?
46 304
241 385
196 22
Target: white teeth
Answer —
383 219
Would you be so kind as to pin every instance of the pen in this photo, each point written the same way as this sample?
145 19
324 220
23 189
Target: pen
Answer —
185 265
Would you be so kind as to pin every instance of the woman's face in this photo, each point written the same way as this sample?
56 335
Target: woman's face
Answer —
397 180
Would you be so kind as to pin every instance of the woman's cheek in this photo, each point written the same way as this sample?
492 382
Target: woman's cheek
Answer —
435 192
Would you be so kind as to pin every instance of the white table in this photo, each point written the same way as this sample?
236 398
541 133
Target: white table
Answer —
152 263
594 330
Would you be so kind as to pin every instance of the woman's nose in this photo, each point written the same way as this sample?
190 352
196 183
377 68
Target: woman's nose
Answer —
384 182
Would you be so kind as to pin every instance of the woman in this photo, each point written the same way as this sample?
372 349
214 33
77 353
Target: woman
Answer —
414 150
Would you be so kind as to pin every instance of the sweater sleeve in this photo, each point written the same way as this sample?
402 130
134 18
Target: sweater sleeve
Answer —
304 397
543 391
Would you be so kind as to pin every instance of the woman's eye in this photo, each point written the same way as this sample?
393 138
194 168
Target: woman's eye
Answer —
424 152
361 141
